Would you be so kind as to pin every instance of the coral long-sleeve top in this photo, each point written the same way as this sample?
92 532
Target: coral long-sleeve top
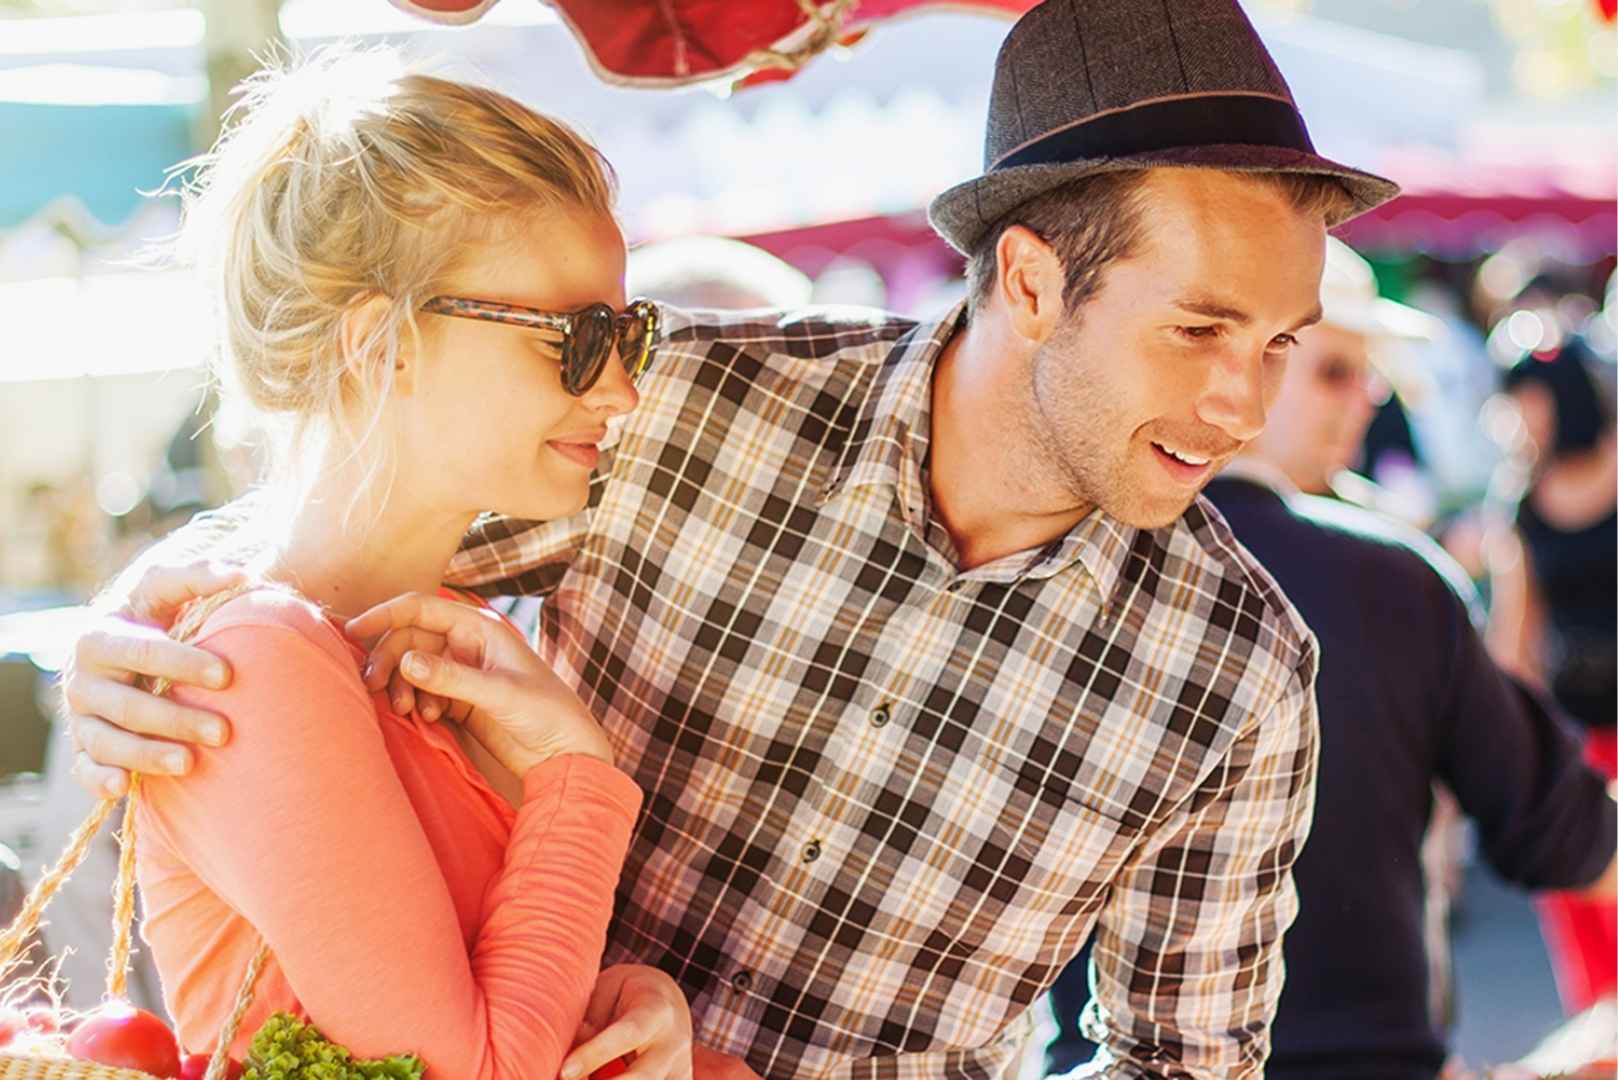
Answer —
407 906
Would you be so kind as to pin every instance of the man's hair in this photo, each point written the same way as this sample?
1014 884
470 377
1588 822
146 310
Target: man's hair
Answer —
1096 220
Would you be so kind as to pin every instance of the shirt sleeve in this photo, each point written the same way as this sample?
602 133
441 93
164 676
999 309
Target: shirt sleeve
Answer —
301 824
1516 766
1187 951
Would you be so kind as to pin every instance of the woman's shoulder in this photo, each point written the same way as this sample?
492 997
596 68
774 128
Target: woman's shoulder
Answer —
268 621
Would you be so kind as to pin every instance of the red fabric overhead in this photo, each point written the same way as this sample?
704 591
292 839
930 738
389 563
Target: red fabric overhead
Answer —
674 42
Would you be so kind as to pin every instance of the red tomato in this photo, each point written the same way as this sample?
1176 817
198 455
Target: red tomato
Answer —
195 1067
615 1067
120 1035
11 1025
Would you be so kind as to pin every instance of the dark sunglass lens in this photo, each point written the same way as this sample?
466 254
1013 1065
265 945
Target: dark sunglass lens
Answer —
632 343
589 345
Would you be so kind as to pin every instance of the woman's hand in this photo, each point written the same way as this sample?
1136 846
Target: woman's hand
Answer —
503 693
637 1011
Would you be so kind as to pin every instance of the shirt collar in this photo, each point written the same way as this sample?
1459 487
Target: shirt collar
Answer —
888 443
1100 544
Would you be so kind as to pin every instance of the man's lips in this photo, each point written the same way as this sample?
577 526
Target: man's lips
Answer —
1186 466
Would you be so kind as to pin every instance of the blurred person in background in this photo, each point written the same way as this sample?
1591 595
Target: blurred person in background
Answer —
1391 457
1555 588
1408 696
715 272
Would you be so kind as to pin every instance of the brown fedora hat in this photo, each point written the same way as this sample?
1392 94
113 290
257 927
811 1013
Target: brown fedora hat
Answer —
1091 86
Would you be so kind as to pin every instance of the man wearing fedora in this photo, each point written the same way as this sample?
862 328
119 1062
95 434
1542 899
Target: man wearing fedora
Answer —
1407 696
926 653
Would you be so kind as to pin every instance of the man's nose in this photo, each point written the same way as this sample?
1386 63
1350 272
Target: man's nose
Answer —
1234 400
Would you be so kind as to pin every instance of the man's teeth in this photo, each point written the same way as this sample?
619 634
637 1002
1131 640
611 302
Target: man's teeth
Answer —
1178 455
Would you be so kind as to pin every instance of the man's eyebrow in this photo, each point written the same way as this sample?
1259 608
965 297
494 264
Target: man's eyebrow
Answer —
1213 309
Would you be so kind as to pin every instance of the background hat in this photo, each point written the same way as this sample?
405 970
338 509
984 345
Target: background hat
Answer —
1090 86
1349 299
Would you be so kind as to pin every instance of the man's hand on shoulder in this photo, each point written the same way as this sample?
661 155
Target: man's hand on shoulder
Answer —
118 728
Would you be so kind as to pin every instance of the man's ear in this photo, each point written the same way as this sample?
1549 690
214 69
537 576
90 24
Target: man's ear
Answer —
359 336
1030 283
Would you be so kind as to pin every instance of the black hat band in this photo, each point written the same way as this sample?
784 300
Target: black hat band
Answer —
1173 124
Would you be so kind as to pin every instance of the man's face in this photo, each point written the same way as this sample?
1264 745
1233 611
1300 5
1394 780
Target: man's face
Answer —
1139 397
1326 402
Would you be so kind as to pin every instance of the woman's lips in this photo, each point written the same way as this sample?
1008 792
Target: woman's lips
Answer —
585 454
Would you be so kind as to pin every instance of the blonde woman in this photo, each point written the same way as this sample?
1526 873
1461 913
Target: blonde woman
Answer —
420 286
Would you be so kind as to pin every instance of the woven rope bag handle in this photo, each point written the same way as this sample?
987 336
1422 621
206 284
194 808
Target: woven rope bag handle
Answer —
12 940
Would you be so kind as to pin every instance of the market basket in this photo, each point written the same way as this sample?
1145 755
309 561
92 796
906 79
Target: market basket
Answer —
46 1062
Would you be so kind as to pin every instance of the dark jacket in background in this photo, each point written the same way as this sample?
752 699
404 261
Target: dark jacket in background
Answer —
1407 696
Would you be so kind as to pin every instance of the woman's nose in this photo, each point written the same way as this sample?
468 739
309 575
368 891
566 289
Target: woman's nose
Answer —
614 392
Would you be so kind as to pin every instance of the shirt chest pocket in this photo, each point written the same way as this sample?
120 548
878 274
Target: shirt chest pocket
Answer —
1071 825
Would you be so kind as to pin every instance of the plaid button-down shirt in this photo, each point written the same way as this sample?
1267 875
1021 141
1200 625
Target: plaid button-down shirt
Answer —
887 800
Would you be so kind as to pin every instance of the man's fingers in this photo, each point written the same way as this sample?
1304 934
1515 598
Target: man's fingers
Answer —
162 590
102 781
713 1065
129 649
109 745
146 714
658 1066
624 1037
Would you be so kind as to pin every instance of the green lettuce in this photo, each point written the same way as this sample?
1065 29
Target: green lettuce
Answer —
286 1048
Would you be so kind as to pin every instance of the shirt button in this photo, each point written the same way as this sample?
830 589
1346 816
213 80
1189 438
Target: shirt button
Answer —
741 982
811 851
881 716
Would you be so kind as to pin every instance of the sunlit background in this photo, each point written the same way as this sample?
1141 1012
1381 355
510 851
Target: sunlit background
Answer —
1496 115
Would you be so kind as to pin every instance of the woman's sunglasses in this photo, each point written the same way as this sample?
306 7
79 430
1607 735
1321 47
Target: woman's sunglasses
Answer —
588 334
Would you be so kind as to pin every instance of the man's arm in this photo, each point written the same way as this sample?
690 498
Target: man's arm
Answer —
1188 949
1544 818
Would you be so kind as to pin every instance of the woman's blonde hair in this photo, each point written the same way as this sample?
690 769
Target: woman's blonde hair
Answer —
346 177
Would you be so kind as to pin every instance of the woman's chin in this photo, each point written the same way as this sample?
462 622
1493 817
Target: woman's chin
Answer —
559 501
